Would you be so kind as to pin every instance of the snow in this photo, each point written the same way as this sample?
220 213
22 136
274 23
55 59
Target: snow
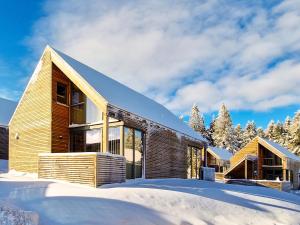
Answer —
164 201
283 150
221 152
7 108
128 99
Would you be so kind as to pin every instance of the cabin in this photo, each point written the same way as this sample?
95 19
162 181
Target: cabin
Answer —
77 124
219 159
7 108
266 163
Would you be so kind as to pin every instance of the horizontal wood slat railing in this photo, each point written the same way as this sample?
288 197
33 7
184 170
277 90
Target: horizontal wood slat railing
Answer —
92 169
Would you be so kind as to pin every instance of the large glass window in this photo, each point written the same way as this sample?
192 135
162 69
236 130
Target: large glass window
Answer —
83 110
93 140
114 140
133 152
86 140
193 162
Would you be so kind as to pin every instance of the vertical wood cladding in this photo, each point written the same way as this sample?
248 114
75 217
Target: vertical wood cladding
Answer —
165 151
30 128
60 113
3 143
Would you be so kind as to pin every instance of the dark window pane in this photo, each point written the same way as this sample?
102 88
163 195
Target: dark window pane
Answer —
138 153
77 141
61 92
128 152
78 114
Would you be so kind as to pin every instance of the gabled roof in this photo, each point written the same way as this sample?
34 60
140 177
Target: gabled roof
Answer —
219 153
285 152
123 97
7 108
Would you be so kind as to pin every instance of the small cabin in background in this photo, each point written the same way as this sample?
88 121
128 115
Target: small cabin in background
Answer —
7 108
266 163
219 159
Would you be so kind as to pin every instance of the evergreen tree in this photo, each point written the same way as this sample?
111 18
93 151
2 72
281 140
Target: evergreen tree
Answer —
278 133
250 132
239 133
287 131
261 133
196 121
223 132
270 130
295 134
210 131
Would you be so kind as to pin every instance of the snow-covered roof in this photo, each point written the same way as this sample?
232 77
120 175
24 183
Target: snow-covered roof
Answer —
125 98
7 108
220 152
281 149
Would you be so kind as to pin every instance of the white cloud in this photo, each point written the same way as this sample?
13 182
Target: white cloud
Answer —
184 52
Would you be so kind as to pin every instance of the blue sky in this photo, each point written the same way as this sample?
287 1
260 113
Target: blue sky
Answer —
241 53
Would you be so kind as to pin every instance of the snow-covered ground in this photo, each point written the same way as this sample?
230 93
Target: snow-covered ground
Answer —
165 201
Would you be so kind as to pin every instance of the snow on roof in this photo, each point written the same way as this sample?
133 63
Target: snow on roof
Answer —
7 108
126 98
283 150
221 152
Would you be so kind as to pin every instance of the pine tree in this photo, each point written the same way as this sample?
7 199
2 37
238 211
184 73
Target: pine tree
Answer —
287 131
196 121
250 132
210 131
260 132
238 133
223 132
295 134
270 130
278 133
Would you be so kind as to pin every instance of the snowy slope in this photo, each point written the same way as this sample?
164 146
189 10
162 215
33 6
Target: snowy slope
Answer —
165 202
7 108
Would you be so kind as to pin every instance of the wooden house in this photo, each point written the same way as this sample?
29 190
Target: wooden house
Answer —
7 108
267 162
70 108
219 159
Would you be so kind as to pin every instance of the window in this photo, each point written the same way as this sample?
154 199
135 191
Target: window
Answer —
114 140
61 93
193 162
133 152
88 140
83 110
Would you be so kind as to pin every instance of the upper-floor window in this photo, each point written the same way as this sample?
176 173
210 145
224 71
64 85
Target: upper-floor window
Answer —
61 93
83 110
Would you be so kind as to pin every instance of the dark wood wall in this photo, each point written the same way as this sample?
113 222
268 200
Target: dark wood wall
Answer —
60 113
3 143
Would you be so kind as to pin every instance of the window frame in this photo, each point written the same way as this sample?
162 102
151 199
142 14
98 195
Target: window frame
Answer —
58 96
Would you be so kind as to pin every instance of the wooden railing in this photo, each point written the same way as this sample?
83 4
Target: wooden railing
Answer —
92 169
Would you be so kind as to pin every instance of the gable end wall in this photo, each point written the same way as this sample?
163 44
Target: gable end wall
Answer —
30 127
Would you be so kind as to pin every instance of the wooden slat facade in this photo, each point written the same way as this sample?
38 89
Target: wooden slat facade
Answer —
30 127
92 169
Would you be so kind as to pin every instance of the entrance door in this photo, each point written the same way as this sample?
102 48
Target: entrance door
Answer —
133 152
